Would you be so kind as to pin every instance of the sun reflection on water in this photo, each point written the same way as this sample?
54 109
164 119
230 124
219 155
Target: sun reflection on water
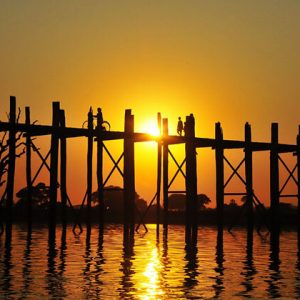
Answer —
148 280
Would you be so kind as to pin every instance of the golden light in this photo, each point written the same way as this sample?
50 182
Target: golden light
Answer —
151 284
150 127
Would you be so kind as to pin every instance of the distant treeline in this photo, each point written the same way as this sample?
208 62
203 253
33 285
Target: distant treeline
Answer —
113 203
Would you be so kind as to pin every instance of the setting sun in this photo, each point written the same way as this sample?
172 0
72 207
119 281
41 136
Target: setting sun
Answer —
150 127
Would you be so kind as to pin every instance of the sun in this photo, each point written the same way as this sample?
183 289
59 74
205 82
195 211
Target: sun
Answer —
150 127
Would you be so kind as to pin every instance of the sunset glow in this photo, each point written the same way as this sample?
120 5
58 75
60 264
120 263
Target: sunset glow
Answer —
150 127
229 61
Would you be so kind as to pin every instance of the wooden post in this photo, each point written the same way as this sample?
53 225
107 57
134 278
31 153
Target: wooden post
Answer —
129 182
274 178
158 182
11 162
298 186
54 167
63 168
89 167
100 167
219 155
28 169
191 181
249 177
165 173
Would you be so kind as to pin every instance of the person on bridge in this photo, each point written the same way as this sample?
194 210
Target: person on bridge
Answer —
179 126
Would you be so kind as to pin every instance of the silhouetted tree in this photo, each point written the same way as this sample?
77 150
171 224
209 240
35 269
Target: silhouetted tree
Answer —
232 203
113 199
177 201
202 200
40 196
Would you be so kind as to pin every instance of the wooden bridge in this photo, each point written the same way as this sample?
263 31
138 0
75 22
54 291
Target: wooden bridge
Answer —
59 134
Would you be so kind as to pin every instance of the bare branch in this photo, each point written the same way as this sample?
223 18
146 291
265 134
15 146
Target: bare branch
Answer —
3 137
19 114
21 153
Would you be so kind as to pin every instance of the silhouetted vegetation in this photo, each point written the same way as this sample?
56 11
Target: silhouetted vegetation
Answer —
114 204
4 150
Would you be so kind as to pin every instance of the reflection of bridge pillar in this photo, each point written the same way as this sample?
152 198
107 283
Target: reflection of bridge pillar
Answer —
249 179
191 180
129 182
274 178
219 175
165 173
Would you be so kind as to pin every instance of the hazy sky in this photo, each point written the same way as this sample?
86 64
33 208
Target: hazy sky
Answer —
228 61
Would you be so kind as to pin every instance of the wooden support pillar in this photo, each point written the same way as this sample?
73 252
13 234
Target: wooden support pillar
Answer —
298 186
274 178
63 168
54 167
28 169
11 162
100 167
89 167
191 181
165 173
158 183
129 181
249 177
219 156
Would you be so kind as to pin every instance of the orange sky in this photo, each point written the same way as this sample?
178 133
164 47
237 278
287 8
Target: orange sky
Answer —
228 61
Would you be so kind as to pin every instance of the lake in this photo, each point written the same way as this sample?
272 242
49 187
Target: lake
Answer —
101 267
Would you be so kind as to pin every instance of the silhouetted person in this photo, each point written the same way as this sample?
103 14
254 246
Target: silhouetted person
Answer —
179 126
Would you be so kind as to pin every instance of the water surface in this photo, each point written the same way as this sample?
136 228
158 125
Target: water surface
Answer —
100 266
